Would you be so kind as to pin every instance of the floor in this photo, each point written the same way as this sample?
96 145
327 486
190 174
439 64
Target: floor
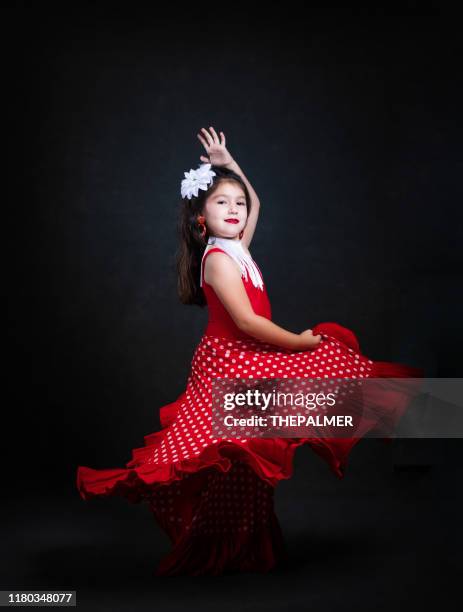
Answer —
363 543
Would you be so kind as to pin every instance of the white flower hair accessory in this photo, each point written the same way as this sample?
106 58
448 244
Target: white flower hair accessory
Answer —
197 179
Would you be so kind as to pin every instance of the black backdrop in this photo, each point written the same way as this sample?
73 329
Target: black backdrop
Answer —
349 130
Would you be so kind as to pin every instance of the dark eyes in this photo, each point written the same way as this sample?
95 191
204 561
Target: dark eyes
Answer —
240 203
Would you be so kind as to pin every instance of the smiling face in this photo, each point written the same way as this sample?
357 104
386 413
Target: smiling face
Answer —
227 203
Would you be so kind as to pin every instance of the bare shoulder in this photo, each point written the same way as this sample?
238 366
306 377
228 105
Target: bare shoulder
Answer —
221 263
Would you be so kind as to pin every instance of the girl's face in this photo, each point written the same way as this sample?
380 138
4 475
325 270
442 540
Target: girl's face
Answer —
225 205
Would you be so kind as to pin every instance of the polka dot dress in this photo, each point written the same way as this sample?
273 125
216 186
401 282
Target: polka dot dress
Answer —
229 523
213 495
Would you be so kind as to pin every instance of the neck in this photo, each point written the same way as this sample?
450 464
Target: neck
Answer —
226 237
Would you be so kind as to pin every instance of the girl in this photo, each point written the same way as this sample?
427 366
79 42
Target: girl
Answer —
214 496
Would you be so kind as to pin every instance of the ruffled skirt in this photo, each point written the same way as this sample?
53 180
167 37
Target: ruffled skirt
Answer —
214 497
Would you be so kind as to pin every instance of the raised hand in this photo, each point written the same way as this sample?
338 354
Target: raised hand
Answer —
215 148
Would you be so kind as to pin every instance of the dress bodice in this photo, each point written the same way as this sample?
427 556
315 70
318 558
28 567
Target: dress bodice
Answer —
220 322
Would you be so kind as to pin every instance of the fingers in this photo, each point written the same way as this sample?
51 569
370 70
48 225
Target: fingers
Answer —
214 135
208 141
208 136
206 146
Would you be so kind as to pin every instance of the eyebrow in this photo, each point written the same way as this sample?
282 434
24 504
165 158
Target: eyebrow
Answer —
223 195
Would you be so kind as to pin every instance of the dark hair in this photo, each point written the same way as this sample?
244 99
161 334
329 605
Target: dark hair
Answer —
191 246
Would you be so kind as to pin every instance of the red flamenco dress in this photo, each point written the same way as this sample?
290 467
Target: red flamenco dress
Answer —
214 497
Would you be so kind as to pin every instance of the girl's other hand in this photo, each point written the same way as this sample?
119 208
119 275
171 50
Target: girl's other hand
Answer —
308 340
215 148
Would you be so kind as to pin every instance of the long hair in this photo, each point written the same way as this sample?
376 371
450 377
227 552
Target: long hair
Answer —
191 246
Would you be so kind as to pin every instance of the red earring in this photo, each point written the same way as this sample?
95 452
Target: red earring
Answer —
202 227
241 234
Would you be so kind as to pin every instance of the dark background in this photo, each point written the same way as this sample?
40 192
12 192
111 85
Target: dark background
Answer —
349 129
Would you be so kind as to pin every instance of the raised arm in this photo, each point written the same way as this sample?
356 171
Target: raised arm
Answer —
219 155
251 223
224 277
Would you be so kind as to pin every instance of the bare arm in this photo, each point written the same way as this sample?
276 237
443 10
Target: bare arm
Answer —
255 205
224 277
218 155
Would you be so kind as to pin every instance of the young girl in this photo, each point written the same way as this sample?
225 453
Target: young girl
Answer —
214 496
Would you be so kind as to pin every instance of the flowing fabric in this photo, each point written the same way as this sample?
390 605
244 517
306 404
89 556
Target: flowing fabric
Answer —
214 497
